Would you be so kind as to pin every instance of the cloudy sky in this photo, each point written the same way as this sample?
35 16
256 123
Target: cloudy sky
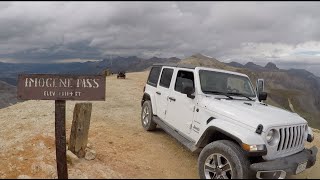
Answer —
286 33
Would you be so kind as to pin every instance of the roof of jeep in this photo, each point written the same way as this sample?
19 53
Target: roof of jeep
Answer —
189 66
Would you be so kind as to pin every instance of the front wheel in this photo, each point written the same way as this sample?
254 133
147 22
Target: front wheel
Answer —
146 117
223 160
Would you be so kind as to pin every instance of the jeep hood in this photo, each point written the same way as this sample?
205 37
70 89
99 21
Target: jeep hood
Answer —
251 113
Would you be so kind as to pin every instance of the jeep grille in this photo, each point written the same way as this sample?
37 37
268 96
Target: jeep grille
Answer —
291 138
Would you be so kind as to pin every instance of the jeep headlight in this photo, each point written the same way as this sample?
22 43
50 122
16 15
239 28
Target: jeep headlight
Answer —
253 148
270 136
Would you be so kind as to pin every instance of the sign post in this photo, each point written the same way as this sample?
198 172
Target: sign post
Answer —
61 88
60 133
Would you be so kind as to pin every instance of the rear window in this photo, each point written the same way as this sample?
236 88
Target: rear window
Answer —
166 77
154 76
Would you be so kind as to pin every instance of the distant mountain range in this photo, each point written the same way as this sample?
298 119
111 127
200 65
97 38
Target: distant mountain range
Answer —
295 89
250 65
9 71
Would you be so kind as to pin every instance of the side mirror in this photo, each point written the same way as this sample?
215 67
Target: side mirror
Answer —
262 96
260 86
187 88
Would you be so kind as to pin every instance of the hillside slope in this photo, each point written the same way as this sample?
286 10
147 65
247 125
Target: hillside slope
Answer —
124 149
8 94
202 60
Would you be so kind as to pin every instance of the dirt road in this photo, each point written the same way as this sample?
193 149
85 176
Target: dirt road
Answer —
124 149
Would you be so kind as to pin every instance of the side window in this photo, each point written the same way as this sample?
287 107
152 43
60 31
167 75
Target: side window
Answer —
184 78
166 77
153 76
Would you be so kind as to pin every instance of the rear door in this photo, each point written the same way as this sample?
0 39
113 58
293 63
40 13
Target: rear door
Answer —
180 107
151 86
163 92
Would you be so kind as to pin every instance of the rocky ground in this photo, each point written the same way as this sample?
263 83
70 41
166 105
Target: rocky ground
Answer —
123 149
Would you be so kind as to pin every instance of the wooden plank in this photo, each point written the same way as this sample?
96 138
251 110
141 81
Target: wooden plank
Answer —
80 128
60 133
61 87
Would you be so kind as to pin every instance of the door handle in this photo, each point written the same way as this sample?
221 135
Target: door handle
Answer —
159 93
172 99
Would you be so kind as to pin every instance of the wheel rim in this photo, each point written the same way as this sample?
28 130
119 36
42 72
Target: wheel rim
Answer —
217 166
145 115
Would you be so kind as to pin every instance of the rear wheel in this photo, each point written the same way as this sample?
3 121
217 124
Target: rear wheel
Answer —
223 160
146 117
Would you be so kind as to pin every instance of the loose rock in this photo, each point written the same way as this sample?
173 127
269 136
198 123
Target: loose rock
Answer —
90 154
89 146
72 158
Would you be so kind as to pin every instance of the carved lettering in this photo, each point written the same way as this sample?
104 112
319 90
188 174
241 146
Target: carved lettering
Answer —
96 83
61 87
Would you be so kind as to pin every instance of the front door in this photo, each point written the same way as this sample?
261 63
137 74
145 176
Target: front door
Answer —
180 107
163 92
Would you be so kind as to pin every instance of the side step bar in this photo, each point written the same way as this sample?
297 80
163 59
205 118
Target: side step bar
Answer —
187 143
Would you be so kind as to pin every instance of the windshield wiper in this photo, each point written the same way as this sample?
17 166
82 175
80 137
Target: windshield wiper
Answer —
239 94
218 92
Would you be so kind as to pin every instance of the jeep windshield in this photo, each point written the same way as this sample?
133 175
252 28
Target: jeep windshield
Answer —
220 83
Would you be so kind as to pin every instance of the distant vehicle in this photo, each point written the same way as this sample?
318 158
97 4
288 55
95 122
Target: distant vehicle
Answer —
121 75
221 115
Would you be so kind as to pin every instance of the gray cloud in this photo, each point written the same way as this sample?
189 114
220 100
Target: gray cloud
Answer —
247 31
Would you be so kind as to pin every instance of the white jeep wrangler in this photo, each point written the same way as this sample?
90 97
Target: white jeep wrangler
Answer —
219 114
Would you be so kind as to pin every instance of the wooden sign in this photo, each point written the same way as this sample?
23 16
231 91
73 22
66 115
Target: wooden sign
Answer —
61 87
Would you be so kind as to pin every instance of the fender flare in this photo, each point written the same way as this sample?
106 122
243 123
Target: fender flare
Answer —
214 129
147 96
230 130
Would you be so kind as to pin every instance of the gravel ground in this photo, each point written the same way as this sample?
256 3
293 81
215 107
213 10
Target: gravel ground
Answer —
124 149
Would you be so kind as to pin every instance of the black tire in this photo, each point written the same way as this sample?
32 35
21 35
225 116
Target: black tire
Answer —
147 122
231 154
